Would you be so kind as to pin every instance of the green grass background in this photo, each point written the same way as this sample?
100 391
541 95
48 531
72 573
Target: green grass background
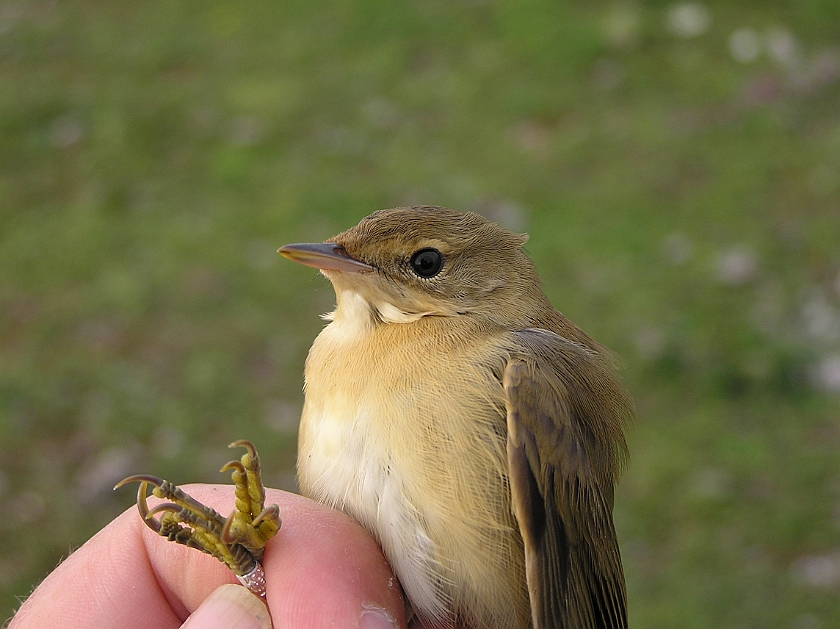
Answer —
683 206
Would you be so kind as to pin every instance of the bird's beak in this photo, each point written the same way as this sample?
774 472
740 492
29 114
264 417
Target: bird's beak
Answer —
326 256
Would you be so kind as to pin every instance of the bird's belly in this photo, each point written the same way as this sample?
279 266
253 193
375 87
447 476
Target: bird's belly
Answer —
347 468
434 496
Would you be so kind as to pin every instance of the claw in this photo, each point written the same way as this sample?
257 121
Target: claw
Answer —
143 508
142 505
239 540
233 465
140 478
244 443
269 514
167 507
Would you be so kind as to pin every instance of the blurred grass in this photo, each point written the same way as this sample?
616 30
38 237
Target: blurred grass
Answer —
682 196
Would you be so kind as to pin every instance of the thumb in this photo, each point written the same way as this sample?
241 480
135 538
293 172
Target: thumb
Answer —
230 607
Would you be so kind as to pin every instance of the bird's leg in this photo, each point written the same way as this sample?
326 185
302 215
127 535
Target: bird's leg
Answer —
239 540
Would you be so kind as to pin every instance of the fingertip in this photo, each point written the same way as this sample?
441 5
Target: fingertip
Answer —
324 569
376 618
229 607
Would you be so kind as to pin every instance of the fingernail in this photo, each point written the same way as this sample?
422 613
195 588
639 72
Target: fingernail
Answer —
376 618
230 607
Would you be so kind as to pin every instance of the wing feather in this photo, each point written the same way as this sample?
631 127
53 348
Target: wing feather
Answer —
565 415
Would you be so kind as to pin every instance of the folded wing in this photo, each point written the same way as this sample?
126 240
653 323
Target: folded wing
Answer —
565 414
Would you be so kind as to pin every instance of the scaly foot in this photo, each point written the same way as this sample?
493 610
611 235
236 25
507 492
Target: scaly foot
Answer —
239 540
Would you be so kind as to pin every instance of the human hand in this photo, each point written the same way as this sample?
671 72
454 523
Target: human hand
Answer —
322 569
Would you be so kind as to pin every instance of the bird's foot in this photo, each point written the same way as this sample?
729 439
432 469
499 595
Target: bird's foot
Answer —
239 540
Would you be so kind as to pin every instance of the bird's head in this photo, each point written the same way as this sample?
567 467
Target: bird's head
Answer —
407 263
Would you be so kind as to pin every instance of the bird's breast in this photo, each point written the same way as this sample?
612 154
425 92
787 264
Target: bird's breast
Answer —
406 433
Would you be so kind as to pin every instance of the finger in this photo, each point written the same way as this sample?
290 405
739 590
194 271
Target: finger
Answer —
107 582
323 569
229 607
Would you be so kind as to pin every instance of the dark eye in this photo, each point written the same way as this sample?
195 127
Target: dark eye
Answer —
427 262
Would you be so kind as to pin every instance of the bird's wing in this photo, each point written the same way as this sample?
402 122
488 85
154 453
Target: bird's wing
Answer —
565 417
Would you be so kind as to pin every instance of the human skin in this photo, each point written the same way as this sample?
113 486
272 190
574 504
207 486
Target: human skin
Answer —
322 569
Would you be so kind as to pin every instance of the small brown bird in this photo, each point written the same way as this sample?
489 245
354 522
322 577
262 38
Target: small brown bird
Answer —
470 427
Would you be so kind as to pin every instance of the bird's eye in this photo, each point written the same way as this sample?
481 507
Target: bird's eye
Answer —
426 262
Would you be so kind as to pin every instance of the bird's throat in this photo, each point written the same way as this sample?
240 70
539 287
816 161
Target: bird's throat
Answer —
357 315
